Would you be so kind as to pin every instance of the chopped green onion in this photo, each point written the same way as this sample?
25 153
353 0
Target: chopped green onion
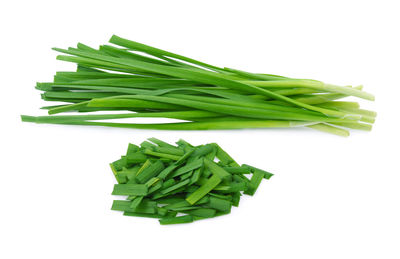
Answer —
176 220
194 185
254 182
130 189
188 167
202 212
219 204
149 172
204 189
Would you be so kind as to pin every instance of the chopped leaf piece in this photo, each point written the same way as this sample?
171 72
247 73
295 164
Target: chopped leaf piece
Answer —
162 155
196 175
130 189
202 212
176 186
267 175
152 181
219 204
144 166
171 214
176 220
236 199
224 157
136 158
120 163
237 170
132 148
161 143
149 172
135 202
168 150
164 173
190 189
255 181
170 200
144 215
204 189
185 176
168 183
233 187
179 204
144 207
188 167
129 173
184 157
162 211
217 170
221 196
203 150
146 144
155 187
184 143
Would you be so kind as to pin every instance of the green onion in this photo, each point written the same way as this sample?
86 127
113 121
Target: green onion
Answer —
216 170
144 81
194 185
188 167
202 212
130 189
176 220
136 202
150 172
254 182
219 204
207 187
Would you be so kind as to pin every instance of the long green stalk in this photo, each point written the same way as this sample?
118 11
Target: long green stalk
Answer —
149 82
198 76
223 125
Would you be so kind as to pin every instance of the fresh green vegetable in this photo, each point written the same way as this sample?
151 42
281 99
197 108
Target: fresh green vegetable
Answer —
148 82
195 185
130 189
176 220
207 187
149 172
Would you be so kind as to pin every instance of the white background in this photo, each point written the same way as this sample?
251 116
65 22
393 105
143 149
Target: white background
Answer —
331 197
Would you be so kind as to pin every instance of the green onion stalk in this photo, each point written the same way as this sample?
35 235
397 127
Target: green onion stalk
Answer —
137 80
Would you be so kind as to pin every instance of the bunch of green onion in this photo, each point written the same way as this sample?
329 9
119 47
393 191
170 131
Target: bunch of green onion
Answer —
181 184
144 81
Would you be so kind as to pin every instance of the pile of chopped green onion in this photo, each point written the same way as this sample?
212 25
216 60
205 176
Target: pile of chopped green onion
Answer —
145 81
181 184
